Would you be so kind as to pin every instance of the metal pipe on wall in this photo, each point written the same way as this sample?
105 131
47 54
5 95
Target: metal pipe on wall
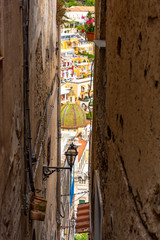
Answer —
58 132
26 110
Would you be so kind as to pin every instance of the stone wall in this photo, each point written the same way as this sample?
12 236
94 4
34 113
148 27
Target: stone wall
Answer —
42 70
43 62
11 124
126 120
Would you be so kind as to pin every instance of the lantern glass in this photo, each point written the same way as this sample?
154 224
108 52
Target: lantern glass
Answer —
71 154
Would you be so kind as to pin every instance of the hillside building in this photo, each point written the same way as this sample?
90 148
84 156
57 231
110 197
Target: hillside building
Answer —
75 13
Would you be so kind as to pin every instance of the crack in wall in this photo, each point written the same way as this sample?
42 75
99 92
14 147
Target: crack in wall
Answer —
151 234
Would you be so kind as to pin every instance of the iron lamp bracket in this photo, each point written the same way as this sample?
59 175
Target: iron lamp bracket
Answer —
47 171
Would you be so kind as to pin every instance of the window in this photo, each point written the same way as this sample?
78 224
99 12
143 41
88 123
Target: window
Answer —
82 89
82 181
90 50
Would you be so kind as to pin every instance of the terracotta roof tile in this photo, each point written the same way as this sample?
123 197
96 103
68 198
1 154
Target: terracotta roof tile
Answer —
88 122
81 148
81 9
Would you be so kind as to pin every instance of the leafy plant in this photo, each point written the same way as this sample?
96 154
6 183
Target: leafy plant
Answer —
86 97
90 2
91 104
89 116
88 26
70 3
61 10
80 28
90 56
82 236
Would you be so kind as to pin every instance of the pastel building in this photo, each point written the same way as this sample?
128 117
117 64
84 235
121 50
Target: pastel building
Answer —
75 13
71 44
81 179
82 66
84 46
75 67
68 42
83 88
81 172
67 69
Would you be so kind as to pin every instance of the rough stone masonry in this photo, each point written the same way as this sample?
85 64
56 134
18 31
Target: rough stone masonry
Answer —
126 129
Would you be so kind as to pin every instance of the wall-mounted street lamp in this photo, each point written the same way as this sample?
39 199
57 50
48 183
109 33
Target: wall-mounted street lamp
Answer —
71 154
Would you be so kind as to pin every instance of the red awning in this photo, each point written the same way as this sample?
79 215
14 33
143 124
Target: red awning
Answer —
83 218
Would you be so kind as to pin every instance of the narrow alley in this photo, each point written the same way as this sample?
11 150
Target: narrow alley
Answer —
79 120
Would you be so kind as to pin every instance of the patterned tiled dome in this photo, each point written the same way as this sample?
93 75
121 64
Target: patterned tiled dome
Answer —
72 116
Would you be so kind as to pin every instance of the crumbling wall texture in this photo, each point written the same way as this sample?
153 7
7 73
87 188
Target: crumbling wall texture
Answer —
11 124
42 69
43 64
126 129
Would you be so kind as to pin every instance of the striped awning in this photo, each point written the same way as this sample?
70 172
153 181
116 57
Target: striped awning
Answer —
83 218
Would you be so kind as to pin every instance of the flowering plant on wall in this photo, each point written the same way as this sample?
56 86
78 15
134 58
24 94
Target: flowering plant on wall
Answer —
88 26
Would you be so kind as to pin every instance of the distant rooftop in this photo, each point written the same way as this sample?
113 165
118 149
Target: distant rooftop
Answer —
81 148
64 90
81 80
81 9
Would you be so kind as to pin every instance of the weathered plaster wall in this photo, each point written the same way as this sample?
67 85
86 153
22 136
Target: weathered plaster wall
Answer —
126 128
11 104
42 67
43 63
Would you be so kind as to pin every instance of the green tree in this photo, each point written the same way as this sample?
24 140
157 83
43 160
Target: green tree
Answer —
84 53
89 116
82 236
90 2
61 10
70 3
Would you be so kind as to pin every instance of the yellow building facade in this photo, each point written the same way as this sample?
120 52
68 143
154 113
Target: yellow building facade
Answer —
69 41
82 88
82 67
84 47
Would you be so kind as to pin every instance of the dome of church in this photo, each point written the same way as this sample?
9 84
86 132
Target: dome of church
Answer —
72 116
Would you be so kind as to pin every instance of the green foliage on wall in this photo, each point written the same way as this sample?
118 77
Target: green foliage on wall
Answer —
82 236
89 116
61 10
70 3
90 56
90 2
